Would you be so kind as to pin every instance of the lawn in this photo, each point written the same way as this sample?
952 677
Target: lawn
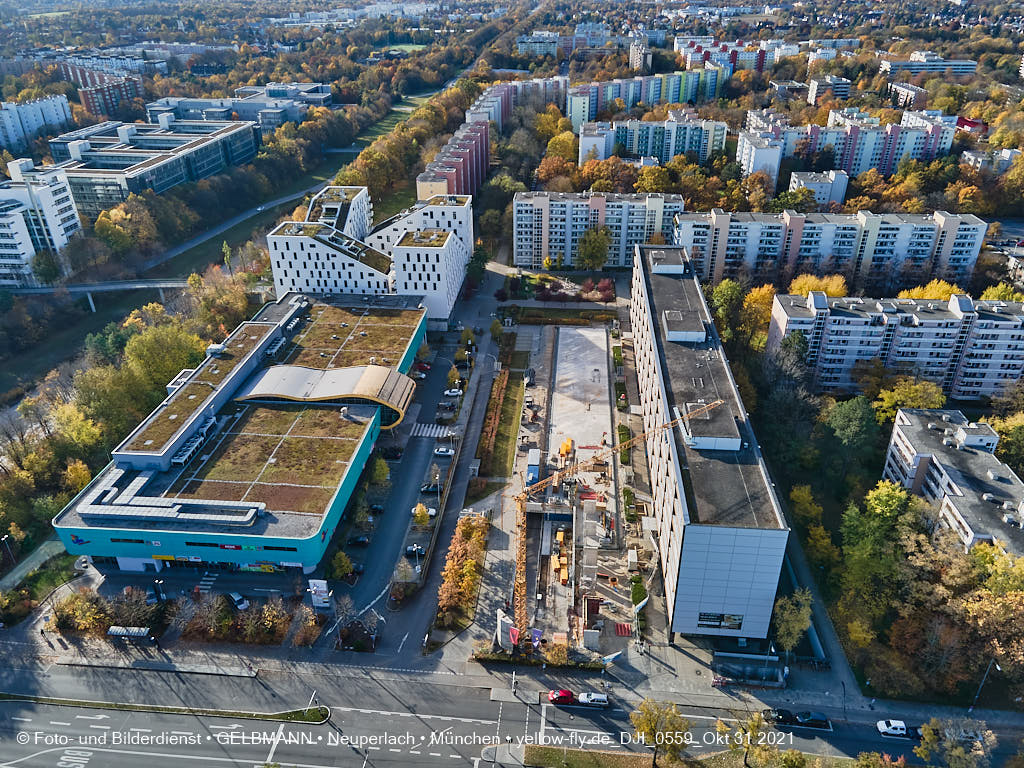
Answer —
400 198
508 426
407 47
476 492
54 572
557 757
520 360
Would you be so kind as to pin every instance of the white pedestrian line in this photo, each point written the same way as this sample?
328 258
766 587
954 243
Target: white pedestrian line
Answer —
430 430
142 730
101 727
413 752
273 748
186 733
435 754
57 722
392 749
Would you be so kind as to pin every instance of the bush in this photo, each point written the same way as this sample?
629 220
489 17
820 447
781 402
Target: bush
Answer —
617 356
624 435
501 294
341 565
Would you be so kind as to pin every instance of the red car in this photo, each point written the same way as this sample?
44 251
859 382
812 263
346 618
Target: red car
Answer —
422 366
561 697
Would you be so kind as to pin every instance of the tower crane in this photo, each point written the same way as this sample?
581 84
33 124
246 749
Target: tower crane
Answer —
519 586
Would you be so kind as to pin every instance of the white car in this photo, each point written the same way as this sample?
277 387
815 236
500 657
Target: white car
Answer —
453 393
891 727
444 450
239 602
419 375
593 699
431 512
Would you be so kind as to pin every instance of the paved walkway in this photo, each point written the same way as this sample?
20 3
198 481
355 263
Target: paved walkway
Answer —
30 562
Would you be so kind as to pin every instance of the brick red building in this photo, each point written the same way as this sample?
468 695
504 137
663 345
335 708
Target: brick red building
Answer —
100 92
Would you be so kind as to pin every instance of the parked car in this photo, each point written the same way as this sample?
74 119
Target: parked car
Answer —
151 598
422 366
392 453
891 727
453 393
359 541
238 601
593 699
414 549
812 720
377 509
444 450
462 365
358 568
778 716
562 696
431 512
430 488
419 375
446 406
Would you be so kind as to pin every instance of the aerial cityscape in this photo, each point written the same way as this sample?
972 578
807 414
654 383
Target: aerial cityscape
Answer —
554 384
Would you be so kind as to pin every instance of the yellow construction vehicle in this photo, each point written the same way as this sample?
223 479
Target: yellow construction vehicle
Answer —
519 590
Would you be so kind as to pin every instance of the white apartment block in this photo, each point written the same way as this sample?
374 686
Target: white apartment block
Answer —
719 532
16 250
50 211
551 224
950 461
926 61
834 87
998 161
682 133
972 349
858 141
760 152
640 56
827 188
20 123
877 250
422 251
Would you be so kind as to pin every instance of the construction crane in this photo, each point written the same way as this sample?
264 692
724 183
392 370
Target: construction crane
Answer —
519 585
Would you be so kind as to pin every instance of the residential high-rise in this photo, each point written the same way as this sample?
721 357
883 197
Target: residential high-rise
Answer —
551 224
759 152
927 61
719 531
16 249
908 96
640 56
971 348
20 123
461 165
422 251
950 461
882 251
830 85
682 133
828 187
101 93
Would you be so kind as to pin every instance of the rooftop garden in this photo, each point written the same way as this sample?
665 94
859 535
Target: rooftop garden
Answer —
424 238
166 420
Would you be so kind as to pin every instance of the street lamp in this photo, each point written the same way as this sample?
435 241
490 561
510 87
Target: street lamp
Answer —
8 546
991 663
159 589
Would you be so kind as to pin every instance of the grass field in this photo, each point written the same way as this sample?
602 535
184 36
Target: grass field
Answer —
407 47
508 426
557 757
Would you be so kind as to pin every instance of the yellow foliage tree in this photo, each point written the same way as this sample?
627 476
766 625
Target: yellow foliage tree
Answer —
757 314
938 290
832 285
805 509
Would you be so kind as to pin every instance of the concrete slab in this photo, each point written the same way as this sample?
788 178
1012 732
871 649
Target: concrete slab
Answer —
519 696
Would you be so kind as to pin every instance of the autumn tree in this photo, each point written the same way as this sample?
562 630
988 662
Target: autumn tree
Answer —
756 315
564 145
660 725
907 393
746 735
593 247
805 509
792 617
1001 292
936 290
341 565
831 285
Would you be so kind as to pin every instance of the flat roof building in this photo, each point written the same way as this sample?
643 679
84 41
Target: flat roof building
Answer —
720 532
827 188
107 162
950 461
971 348
270 106
927 61
681 133
251 460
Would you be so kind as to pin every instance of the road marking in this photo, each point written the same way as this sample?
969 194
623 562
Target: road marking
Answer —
455 757
403 642
392 749
165 756
188 733
543 723
413 752
105 727
22 719
497 730
375 749
142 730
389 713
57 722
92 717
435 754
273 748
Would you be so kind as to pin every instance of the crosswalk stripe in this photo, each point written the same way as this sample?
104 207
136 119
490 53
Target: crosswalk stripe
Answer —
430 430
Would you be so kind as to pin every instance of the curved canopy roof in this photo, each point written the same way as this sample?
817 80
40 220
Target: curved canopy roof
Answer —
376 383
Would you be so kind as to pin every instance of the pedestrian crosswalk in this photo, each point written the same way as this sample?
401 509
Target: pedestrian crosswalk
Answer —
206 583
431 430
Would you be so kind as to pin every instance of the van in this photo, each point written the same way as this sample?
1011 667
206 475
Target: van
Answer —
593 699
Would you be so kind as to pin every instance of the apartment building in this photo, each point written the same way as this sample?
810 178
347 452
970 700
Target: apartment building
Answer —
538 43
20 123
858 141
100 92
735 55
760 151
926 61
640 56
589 37
16 249
971 348
998 161
497 102
908 96
551 224
119 63
822 54
422 251
105 163
682 133
50 212
884 251
692 86
460 167
788 89
829 87
827 188
949 460
722 540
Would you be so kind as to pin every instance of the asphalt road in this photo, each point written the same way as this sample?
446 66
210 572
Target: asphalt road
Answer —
373 723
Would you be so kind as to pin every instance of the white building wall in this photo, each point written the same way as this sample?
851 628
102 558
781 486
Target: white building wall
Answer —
16 250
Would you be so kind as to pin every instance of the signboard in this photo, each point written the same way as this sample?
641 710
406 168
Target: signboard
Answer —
163 557
320 594
230 546
194 559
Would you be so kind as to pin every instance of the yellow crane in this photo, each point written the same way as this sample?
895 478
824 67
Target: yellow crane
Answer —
519 589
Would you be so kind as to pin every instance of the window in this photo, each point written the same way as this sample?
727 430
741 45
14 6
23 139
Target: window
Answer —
127 541
201 544
281 549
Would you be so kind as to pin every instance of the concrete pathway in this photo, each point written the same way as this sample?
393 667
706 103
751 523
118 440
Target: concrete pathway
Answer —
30 562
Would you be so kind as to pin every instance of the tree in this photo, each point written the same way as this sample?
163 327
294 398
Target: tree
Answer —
45 267
756 315
937 290
746 734
593 249
1011 440
907 393
872 376
801 200
379 471
653 179
159 353
564 145
76 476
341 565
1001 292
854 425
660 726
792 617
420 515
225 251
727 303
805 509
949 740
832 285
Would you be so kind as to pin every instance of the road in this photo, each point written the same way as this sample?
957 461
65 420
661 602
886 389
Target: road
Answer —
374 721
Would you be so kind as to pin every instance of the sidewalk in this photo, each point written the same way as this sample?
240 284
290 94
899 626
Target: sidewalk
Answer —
30 562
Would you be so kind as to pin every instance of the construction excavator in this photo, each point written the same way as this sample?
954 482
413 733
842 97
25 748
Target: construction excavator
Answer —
519 592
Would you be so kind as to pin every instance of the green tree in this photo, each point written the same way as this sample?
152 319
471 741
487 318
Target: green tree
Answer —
593 249
805 509
853 423
660 725
420 515
45 267
801 200
159 353
653 179
379 471
727 304
1001 292
225 251
792 617
907 393
1011 440
341 565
